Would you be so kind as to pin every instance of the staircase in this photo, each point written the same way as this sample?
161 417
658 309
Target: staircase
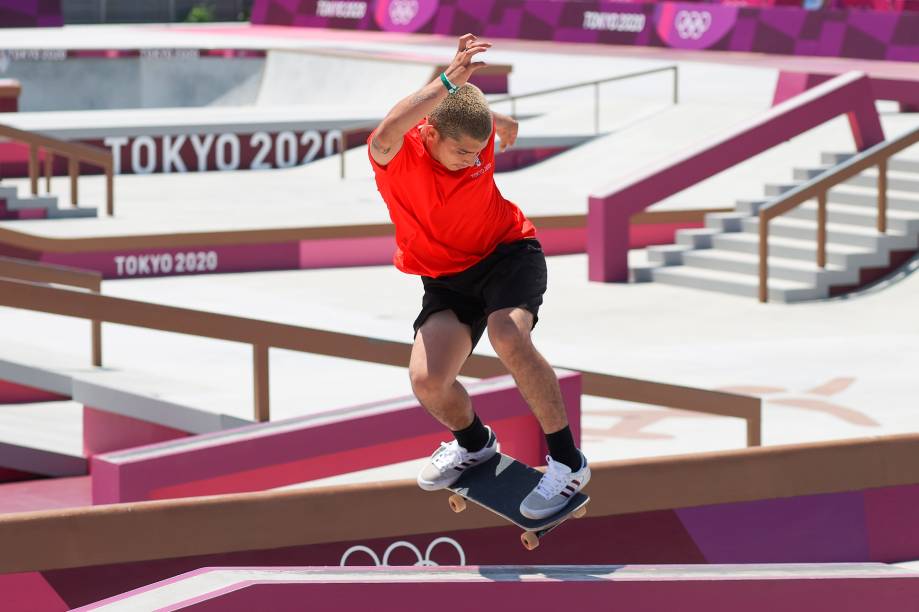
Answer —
13 207
723 256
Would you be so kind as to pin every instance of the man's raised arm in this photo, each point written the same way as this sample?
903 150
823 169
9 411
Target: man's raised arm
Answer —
387 138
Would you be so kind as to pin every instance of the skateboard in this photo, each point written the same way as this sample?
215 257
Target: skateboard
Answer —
499 485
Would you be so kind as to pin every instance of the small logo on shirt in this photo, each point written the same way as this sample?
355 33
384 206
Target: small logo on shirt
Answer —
481 169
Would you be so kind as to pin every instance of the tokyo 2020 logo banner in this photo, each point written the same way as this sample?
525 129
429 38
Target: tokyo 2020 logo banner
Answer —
694 26
404 15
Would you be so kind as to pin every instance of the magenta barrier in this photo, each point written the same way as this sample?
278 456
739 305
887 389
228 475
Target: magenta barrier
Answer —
609 213
303 254
284 452
693 26
105 431
792 83
873 525
13 393
31 14
752 588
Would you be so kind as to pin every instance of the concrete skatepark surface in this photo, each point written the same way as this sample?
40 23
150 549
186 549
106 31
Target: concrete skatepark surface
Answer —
726 354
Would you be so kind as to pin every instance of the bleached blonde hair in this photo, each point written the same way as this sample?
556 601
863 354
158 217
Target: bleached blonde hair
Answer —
464 112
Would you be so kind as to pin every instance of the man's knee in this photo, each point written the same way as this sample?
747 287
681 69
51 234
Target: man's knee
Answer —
509 331
428 385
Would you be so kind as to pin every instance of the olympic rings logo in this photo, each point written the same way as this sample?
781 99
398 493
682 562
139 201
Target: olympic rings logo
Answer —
422 560
692 24
401 12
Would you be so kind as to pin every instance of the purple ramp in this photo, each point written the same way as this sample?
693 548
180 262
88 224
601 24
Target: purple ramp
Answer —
803 529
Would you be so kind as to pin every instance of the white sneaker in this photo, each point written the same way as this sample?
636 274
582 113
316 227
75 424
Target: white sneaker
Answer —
555 489
449 462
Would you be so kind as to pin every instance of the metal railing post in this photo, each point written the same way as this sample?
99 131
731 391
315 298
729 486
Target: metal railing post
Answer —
110 191
597 107
49 161
33 169
513 107
260 381
73 167
763 258
882 196
821 230
676 84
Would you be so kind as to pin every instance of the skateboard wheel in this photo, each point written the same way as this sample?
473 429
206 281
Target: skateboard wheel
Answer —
530 540
457 503
580 512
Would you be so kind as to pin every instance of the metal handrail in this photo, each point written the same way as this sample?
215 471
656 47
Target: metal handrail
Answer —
817 187
596 85
542 92
76 153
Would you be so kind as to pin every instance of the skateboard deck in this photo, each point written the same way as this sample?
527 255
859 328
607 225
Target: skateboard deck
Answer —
499 485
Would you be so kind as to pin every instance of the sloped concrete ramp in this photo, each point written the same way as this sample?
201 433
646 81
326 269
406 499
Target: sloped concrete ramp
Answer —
689 588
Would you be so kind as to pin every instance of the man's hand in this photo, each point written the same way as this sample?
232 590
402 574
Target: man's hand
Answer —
462 66
506 129
387 138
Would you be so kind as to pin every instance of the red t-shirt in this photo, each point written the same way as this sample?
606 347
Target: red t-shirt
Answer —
446 221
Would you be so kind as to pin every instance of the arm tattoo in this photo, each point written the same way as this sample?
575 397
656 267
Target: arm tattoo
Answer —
422 97
376 145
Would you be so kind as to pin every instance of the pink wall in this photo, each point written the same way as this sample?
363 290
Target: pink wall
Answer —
267 458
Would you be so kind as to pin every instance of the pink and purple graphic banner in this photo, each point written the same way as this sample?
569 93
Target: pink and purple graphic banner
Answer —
692 26
31 14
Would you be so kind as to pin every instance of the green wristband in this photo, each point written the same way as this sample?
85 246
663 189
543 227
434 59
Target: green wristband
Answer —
451 88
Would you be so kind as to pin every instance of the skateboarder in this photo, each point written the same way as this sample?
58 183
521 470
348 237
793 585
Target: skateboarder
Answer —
481 268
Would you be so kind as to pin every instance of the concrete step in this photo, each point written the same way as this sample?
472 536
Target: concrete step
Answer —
696 238
725 221
862 216
896 164
899 181
854 235
806 174
72 213
831 158
844 255
781 268
868 197
780 290
777 189
47 202
750 207
666 254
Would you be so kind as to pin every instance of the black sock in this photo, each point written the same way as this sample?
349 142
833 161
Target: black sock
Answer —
472 438
562 448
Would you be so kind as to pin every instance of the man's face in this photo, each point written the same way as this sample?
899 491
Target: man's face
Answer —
454 154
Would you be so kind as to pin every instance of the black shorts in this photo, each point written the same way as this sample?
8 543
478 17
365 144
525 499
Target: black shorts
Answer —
514 275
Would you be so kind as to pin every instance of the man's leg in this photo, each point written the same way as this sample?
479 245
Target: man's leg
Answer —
441 347
567 472
509 333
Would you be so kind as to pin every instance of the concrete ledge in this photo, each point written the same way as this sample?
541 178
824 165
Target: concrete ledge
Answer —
689 588
284 452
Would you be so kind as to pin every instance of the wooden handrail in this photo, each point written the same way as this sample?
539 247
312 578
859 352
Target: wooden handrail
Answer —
75 153
542 92
34 242
263 335
20 269
107 534
817 187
